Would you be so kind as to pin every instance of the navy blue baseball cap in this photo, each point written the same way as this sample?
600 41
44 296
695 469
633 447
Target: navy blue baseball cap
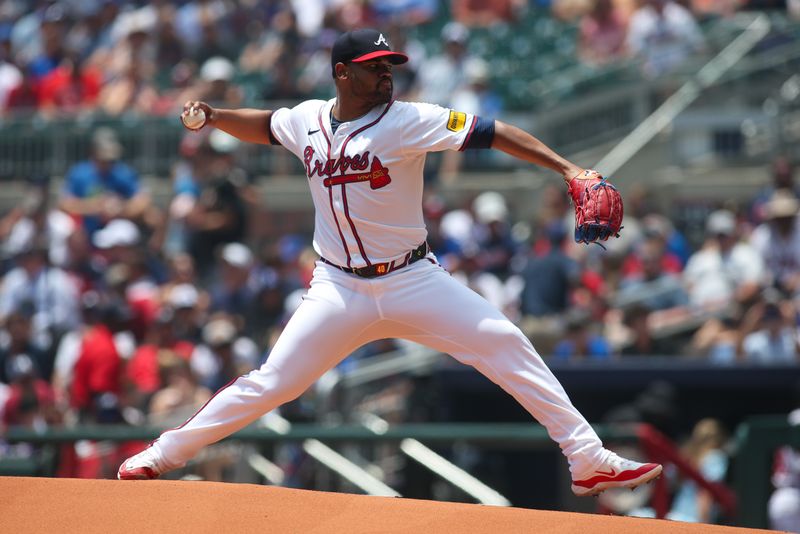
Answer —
363 45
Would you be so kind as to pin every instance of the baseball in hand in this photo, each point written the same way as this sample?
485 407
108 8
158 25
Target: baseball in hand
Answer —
194 119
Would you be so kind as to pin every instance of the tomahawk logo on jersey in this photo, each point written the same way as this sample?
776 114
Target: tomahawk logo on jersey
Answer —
358 173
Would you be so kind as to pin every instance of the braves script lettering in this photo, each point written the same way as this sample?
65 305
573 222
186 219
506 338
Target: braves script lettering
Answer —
377 176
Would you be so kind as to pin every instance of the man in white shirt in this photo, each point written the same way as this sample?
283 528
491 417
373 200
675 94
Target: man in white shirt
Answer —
663 34
726 270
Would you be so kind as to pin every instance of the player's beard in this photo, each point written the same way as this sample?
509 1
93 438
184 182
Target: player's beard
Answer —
383 92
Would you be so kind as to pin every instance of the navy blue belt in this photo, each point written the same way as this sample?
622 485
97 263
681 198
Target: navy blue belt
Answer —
380 269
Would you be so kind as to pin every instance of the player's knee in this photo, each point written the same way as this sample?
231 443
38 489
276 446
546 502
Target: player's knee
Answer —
501 333
276 385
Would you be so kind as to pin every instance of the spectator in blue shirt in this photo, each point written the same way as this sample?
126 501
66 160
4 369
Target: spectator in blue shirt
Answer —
580 341
103 188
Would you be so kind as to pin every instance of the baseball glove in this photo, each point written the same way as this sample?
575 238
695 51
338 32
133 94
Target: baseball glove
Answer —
598 208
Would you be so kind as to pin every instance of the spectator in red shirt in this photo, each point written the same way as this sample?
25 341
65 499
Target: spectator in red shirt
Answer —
96 383
30 401
24 98
143 372
70 88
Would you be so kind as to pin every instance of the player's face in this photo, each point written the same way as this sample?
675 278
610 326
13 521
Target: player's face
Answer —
372 80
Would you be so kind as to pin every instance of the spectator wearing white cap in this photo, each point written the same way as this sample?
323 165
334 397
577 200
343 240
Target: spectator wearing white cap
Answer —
496 246
185 302
442 75
726 270
223 354
234 290
215 83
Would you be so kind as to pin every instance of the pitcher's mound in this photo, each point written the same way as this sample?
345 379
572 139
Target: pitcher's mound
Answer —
103 506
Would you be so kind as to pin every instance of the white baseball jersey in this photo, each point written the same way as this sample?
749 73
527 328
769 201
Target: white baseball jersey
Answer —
366 179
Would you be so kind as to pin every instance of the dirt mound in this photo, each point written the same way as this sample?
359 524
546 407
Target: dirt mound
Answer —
104 506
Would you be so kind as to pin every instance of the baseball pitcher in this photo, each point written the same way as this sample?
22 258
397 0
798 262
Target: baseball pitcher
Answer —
376 278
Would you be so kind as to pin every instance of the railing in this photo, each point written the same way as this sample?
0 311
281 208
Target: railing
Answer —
756 440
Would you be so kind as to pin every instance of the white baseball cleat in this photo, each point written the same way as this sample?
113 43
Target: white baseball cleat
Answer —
616 472
142 466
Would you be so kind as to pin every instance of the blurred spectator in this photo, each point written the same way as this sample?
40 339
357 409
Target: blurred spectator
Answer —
496 245
442 75
30 400
719 340
91 29
581 340
52 31
476 96
219 215
26 35
16 342
103 187
407 12
96 379
35 218
170 50
234 291
548 279
223 355
133 43
71 88
161 344
677 246
184 300
180 397
549 276
24 97
216 84
705 451
486 12
725 270
95 307
783 507
655 287
777 240
314 79
447 249
663 34
279 39
782 177
133 92
48 291
640 339
10 75
196 14
770 333
602 34
405 77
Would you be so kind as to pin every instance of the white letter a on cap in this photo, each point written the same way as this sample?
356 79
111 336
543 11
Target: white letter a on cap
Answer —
381 39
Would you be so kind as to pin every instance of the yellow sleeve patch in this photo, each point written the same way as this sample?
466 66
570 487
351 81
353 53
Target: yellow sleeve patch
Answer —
456 121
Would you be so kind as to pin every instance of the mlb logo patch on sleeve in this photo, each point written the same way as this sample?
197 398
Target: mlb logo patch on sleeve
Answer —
456 121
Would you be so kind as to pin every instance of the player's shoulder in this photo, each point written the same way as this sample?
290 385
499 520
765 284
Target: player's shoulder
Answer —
309 106
417 111
402 106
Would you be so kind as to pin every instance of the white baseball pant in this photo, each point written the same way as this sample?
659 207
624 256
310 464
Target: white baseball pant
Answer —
420 303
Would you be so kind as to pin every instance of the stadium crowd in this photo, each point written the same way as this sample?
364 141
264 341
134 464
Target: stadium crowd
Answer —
120 57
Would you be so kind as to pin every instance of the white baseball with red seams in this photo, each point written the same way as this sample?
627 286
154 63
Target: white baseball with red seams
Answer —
366 181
